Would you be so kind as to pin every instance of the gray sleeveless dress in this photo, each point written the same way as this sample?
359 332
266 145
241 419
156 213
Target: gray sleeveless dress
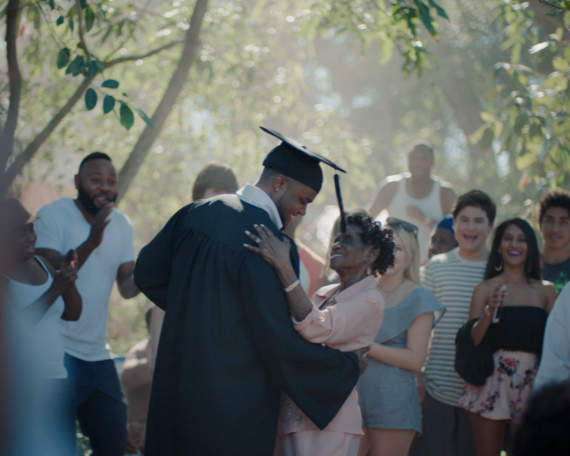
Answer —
388 395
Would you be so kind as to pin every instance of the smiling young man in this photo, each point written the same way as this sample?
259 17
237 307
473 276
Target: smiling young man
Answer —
103 238
554 219
228 346
452 276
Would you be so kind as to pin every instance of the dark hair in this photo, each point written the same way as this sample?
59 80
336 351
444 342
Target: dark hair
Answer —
545 424
376 237
95 156
214 175
420 144
476 198
554 197
532 263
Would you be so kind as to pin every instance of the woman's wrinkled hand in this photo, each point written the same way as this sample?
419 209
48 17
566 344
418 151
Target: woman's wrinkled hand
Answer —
270 248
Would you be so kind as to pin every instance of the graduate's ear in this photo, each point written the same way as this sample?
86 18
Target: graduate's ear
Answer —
280 183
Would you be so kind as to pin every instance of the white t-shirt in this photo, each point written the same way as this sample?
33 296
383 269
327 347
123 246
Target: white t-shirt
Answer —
62 227
46 344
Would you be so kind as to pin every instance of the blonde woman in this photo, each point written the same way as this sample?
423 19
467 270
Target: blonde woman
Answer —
388 396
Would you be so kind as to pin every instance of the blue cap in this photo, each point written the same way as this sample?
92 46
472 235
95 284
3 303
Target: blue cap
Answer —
447 223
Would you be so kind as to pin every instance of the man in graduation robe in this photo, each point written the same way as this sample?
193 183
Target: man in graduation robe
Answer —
228 347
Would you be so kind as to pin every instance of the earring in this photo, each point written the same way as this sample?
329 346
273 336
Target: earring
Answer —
499 267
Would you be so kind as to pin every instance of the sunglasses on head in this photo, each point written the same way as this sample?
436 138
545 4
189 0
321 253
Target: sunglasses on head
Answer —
409 227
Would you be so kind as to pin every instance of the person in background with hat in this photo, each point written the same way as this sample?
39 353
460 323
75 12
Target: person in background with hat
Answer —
442 237
228 346
42 297
103 238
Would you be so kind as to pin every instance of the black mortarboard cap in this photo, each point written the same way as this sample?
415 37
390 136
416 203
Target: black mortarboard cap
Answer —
296 161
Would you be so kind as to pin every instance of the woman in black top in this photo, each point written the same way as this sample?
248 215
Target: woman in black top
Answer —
499 359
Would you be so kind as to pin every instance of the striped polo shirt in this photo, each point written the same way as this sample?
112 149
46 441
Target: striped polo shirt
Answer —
452 280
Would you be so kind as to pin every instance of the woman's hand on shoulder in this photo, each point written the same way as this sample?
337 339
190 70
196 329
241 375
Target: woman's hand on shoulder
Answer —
270 248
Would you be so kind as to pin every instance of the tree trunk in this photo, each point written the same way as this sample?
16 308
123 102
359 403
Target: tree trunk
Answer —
27 154
465 106
7 135
149 135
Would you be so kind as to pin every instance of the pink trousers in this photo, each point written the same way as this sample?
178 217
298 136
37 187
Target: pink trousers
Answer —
318 443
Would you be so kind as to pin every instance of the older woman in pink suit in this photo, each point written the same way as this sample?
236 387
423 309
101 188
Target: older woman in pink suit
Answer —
345 316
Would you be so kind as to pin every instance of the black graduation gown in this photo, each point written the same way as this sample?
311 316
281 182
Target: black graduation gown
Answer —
228 346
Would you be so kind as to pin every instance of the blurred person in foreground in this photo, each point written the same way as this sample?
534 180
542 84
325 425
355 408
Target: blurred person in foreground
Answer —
417 196
103 238
451 277
42 297
545 424
442 238
136 378
499 359
345 316
214 179
555 361
388 394
554 220
228 345
311 265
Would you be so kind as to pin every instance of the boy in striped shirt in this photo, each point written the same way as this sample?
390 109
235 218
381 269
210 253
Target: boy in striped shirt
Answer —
452 276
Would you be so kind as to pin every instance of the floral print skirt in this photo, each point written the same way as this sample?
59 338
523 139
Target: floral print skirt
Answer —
506 393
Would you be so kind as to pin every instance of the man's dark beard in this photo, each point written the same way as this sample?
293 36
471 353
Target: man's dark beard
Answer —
88 203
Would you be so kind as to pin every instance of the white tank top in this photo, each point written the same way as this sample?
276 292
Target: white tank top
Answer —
430 206
46 339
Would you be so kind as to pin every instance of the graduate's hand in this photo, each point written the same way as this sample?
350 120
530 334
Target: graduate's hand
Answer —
362 361
271 249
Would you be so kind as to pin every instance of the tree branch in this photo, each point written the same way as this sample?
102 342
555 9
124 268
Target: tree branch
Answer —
15 78
80 27
141 56
26 155
173 89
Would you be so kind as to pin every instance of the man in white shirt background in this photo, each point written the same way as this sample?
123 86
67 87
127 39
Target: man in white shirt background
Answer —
103 238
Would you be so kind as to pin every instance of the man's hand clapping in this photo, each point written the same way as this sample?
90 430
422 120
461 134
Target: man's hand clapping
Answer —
99 224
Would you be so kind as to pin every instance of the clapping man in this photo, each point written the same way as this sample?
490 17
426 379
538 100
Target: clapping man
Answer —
103 238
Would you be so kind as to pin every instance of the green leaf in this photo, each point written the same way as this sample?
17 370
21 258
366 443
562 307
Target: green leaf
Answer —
51 4
110 84
487 138
520 122
59 20
63 58
83 3
145 117
516 53
71 24
127 116
75 67
90 98
89 18
94 67
438 9
488 117
425 16
108 104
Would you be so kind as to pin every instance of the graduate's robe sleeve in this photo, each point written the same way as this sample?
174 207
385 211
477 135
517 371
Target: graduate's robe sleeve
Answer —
317 378
153 269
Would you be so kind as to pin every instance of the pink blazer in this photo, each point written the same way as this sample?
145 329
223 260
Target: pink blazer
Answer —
352 323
